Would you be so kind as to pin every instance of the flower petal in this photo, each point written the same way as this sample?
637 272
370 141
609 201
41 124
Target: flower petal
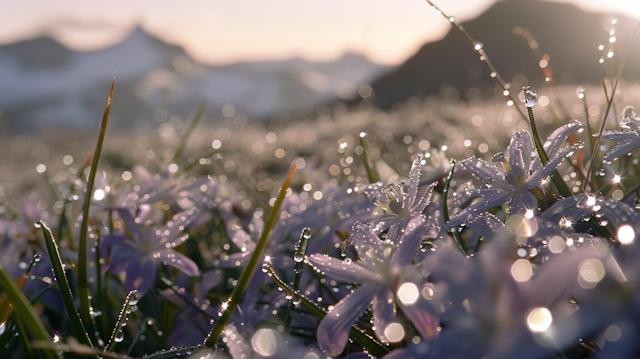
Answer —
519 152
141 275
555 140
177 260
423 317
367 244
522 201
350 272
408 243
482 170
384 313
333 331
543 172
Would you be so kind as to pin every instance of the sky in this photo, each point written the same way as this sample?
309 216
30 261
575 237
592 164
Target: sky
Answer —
219 32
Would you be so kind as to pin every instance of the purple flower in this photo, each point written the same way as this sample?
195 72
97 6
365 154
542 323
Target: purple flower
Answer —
385 271
139 253
512 186
400 202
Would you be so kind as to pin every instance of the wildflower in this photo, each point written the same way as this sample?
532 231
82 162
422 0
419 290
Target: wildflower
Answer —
400 202
383 269
144 248
515 185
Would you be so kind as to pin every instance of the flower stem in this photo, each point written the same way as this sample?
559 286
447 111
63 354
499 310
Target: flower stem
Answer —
370 166
557 180
359 336
445 209
256 256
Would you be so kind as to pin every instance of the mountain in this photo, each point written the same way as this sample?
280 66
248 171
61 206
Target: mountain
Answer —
45 84
569 36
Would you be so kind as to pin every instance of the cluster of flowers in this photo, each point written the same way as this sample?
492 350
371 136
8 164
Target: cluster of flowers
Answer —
484 262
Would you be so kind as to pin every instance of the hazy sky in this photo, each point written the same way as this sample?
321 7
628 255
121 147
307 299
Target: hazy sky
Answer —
224 31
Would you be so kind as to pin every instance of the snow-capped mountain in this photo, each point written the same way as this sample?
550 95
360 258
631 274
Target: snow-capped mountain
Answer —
44 84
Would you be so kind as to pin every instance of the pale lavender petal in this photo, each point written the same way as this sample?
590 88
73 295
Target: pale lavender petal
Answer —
141 275
345 271
414 179
619 213
424 200
519 152
574 209
543 172
627 142
333 331
482 170
499 198
384 312
130 223
409 242
177 260
423 317
173 230
382 223
236 343
374 190
367 244
555 140
522 201
485 224
240 238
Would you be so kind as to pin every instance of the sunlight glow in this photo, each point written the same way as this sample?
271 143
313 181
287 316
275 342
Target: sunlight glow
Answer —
539 319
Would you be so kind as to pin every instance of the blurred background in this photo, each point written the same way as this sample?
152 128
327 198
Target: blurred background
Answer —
282 59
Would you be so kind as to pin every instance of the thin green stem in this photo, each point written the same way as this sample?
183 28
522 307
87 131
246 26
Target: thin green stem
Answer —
131 300
557 180
591 168
357 334
369 165
298 257
63 285
192 126
256 257
83 279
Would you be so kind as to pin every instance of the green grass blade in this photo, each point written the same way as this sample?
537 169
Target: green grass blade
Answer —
192 126
357 334
369 165
591 168
445 208
298 257
63 284
116 336
83 280
26 313
256 256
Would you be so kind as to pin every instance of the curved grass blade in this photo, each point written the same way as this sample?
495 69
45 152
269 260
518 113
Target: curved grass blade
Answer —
63 284
248 271
483 56
116 336
357 334
591 168
192 126
26 313
83 280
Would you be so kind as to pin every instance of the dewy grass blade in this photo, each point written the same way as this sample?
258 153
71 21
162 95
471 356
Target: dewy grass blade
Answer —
370 166
26 313
116 336
63 284
357 334
591 168
83 280
192 126
256 256
298 257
